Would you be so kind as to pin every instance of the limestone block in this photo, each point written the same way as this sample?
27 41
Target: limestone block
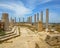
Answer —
40 26
54 40
59 38
51 39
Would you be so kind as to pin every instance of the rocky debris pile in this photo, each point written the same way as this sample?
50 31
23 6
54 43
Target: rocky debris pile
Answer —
51 39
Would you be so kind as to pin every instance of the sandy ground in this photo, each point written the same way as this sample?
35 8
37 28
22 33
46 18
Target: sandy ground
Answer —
28 39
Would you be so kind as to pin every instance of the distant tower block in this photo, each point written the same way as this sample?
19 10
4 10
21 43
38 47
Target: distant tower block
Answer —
10 19
23 20
40 26
37 17
5 19
28 19
15 19
42 16
47 19
19 19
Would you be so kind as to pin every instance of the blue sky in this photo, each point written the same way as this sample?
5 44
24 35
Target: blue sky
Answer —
26 8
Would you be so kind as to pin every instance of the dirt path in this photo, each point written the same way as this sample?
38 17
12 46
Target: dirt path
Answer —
28 39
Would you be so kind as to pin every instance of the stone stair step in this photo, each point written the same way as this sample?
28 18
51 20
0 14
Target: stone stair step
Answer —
10 32
10 35
7 38
6 35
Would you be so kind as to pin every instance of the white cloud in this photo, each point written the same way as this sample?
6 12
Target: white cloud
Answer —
19 9
33 3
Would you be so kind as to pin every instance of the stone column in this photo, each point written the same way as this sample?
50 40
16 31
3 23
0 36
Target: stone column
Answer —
31 19
12 22
5 19
47 19
42 16
37 17
40 23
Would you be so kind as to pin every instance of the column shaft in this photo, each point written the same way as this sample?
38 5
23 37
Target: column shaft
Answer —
47 18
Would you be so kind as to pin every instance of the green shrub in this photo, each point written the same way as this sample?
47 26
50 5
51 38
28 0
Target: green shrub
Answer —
2 32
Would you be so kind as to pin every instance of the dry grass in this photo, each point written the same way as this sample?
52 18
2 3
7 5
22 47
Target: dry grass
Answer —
57 27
